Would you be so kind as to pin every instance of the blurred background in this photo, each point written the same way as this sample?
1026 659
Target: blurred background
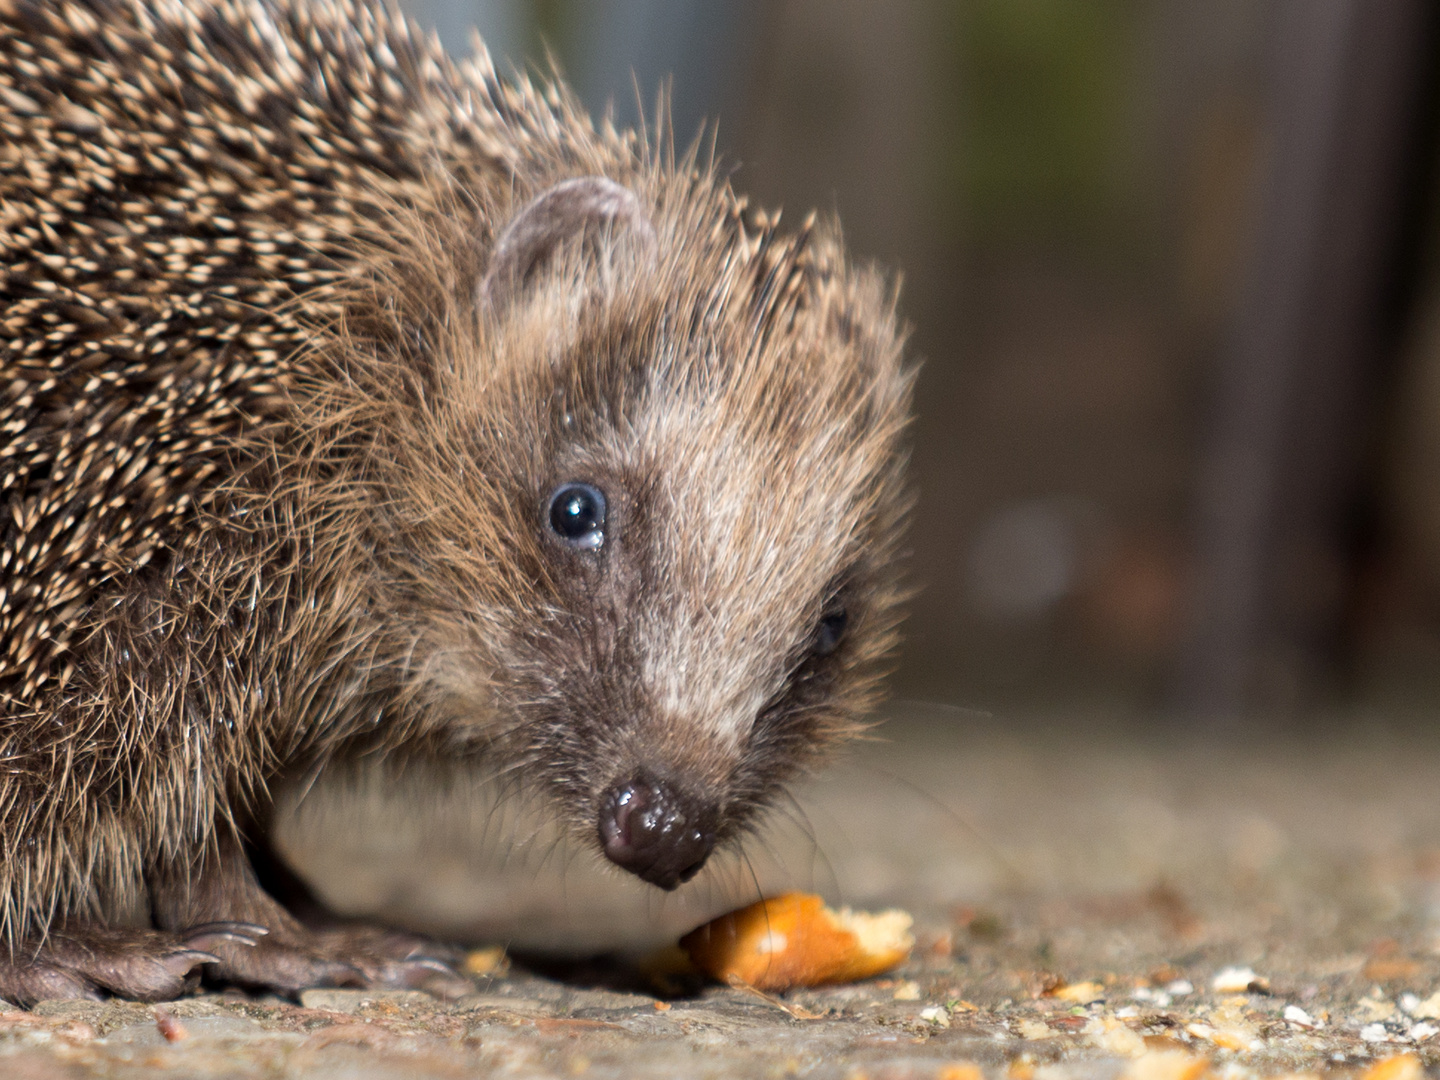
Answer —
1172 271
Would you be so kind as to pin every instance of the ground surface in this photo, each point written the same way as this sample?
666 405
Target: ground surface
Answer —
1095 905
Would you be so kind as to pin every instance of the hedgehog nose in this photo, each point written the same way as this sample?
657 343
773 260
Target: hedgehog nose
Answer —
656 832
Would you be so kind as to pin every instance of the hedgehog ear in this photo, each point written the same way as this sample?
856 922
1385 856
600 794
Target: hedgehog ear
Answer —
568 209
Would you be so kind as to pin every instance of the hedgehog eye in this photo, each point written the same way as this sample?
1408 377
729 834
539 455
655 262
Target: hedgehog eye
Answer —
577 515
829 632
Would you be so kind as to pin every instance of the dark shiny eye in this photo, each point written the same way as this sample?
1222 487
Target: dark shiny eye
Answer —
577 515
829 632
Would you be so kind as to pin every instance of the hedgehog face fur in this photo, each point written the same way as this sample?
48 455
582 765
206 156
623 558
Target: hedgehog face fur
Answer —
718 616
354 401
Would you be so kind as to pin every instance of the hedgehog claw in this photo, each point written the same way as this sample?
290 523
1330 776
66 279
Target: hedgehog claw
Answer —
432 963
241 933
184 961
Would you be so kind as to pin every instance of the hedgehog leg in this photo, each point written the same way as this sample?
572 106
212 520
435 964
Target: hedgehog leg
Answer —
86 961
387 957
293 956
403 959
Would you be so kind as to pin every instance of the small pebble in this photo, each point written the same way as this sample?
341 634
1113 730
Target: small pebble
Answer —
1235 980
171 1030
936 1015
491 961
1297 1015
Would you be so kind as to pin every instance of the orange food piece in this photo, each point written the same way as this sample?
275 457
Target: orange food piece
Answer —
795 940
1396 1067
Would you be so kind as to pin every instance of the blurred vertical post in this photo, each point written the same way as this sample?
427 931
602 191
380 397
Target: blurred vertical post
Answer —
1280 471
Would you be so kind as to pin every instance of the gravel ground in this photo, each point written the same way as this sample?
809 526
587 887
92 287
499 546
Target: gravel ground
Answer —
1088 903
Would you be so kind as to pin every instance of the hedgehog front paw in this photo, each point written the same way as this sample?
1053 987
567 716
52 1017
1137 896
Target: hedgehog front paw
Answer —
146 965
363 957
399 960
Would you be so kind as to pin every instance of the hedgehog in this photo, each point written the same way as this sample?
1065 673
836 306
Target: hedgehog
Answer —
363 405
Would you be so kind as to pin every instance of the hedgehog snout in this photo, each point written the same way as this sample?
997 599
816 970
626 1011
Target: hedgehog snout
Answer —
658 832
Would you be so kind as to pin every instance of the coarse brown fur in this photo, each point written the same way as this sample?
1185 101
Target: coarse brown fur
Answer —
275 461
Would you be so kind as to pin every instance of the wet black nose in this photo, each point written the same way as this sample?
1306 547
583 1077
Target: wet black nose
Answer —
655 831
